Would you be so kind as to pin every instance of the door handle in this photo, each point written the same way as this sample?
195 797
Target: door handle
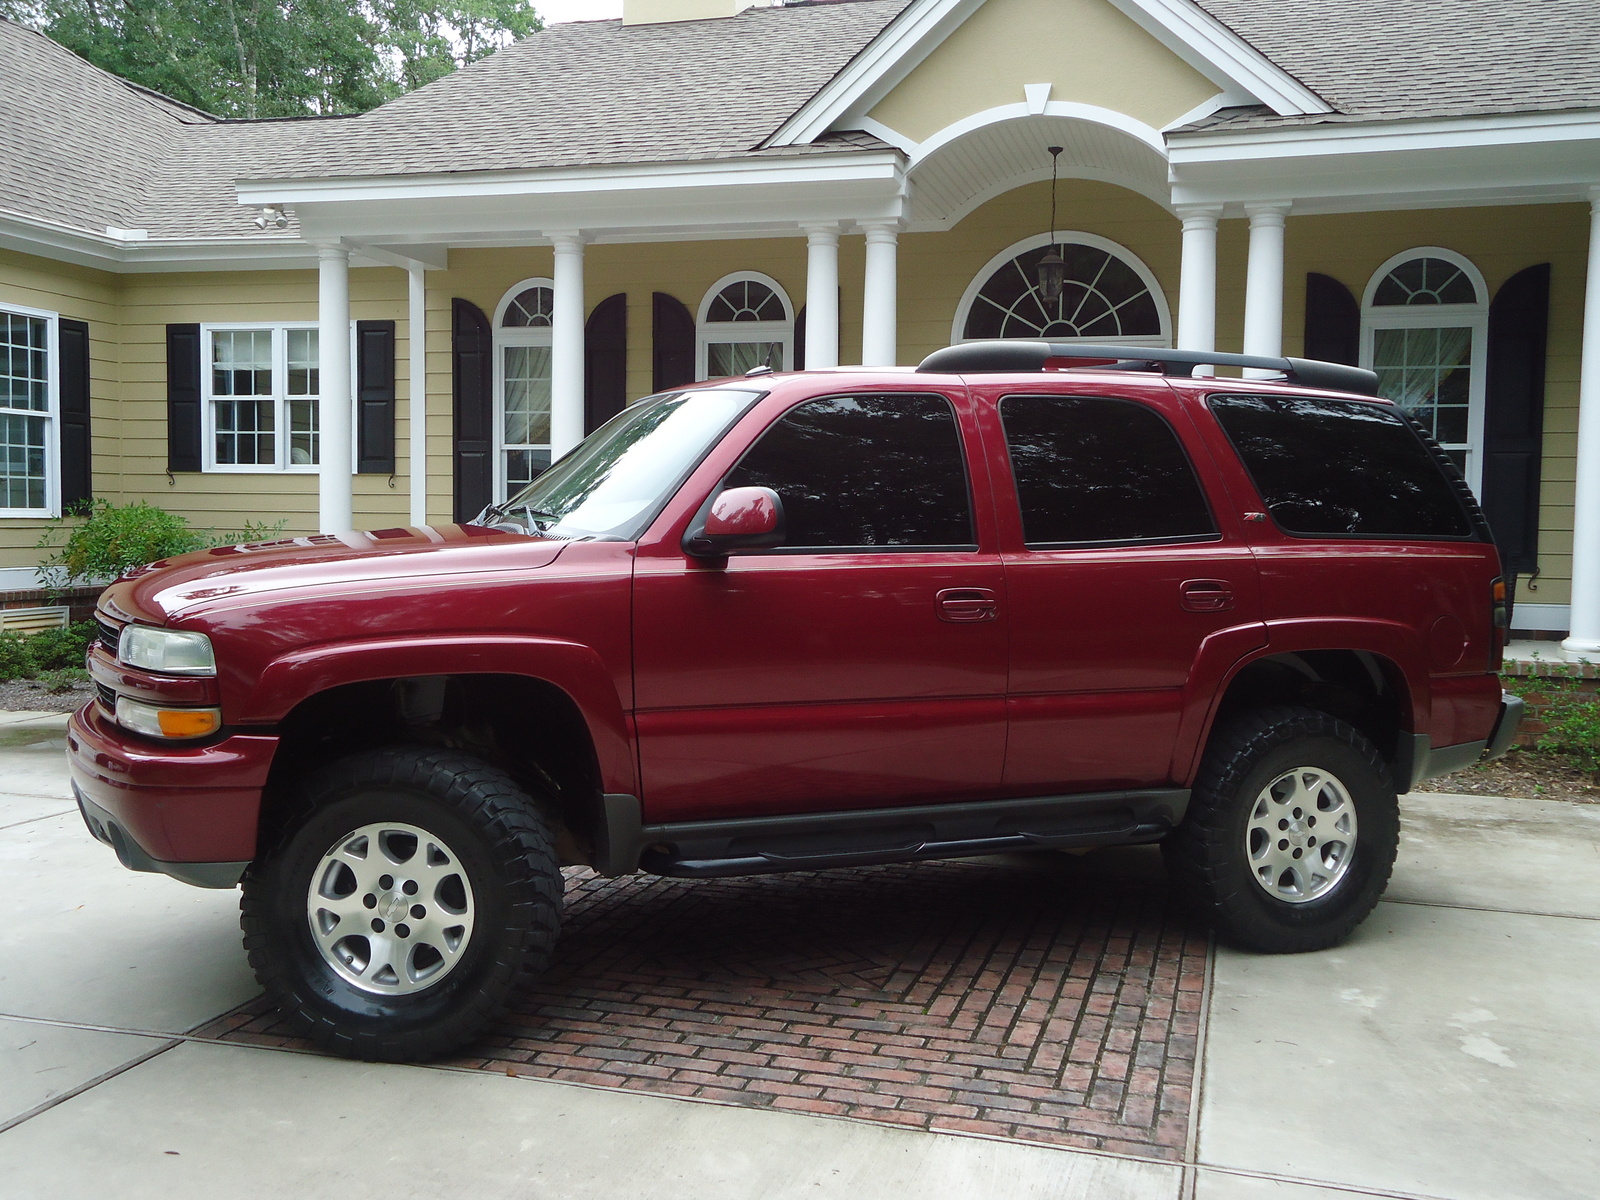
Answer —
966 604
1205 595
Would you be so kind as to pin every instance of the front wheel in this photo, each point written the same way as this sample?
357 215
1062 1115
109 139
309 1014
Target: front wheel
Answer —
396 916
1291 832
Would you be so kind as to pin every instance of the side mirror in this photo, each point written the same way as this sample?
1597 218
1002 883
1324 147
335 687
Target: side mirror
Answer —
746 518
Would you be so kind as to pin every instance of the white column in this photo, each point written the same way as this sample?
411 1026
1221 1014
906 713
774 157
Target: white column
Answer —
1263 287
822 296
1197 285
417 343
566 345
880 295
1584 640
334 420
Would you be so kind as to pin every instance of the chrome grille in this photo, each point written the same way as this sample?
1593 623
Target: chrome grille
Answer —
110 635
107 697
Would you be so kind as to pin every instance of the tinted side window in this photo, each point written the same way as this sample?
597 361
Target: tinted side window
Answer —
1090 469
1341 467
883 470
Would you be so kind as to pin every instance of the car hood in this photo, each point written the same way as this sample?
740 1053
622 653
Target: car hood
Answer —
229 575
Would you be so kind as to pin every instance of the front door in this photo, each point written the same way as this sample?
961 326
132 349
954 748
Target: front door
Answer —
860 665
1119 572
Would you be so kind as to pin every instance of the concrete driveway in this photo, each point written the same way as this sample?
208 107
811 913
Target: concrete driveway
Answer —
1447 1051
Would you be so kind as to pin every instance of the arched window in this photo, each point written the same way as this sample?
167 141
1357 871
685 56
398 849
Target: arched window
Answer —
1424 330
1108 296
745 321
522 384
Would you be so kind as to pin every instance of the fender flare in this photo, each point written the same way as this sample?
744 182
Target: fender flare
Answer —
572 668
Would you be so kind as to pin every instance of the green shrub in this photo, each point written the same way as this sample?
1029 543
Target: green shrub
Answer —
61 649
1571 716
111 539
15 661
63 680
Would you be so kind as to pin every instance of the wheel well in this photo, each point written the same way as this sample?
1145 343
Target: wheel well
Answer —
527 727
1360 688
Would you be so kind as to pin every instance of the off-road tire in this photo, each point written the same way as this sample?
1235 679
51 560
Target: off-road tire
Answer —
505 848
1207 856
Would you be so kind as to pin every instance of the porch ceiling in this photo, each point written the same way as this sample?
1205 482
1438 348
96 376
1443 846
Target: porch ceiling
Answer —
976 166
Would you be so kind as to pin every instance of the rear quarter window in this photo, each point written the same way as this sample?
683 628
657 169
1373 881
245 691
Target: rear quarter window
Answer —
1342 468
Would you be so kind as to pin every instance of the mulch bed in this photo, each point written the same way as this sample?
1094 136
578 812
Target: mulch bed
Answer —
1524 773
30 695
1042 999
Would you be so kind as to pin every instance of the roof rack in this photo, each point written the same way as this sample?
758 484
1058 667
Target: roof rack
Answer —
978 358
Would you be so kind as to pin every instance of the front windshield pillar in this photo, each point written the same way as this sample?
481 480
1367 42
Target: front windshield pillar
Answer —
566 344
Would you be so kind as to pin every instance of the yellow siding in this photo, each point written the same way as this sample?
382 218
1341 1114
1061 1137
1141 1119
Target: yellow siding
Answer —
1009 43
83 294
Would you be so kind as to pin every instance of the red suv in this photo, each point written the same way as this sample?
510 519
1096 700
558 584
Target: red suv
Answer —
1023 597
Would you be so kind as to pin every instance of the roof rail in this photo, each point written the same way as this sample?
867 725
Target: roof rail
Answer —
978 358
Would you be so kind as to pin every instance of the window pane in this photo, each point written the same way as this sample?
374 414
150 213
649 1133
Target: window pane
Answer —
24 364
866 471
1426 281
523 467
22 461
746 300
245 433
304 442
1102 297
303 363
530 310
1427 372
1341 467
527 416
737 358
241 362
1100 470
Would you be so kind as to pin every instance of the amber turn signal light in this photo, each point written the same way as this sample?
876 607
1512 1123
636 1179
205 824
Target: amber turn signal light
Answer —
176 723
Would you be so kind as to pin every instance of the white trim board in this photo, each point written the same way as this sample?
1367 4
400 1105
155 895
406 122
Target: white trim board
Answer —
1541 616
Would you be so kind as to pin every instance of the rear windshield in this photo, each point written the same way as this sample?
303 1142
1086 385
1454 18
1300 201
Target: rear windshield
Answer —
1342 468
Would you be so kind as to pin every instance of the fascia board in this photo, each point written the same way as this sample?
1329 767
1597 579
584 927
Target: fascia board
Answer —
1382 137
886 166
897 50
49 239
1221 55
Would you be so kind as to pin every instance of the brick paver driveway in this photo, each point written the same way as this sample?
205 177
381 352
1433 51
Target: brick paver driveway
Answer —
1031 998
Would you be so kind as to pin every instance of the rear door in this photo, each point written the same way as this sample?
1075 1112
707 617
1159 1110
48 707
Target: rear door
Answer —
860 665
1124 568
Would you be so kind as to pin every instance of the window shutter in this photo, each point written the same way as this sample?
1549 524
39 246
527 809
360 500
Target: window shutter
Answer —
183 397
672 343
800 339
472 381
375 397
605 362
1333 321
76 481
1513 425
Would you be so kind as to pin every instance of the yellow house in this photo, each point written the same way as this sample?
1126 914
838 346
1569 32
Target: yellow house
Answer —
368 321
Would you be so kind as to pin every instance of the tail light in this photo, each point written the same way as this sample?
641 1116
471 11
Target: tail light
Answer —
1500 621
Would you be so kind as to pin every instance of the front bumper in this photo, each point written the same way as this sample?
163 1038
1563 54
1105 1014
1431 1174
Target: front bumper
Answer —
187 811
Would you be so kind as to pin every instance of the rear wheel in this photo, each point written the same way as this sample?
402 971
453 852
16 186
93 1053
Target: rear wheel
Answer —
396 916
1291 832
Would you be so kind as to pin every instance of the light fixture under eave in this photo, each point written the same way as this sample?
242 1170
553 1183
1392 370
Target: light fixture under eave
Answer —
1052 267
272 216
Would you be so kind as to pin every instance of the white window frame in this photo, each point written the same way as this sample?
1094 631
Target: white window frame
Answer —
1163 340
1474 316
708 333
522 335
51 415
280 398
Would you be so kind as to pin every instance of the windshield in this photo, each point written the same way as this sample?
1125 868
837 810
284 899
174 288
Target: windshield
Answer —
616 480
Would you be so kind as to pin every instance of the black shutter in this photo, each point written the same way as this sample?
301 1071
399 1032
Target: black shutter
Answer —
605 362
672 343
76 482
472 381
800 340
375 397
183 397
1513 424
1333 321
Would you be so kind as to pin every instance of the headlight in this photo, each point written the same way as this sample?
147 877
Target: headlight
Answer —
167 722
170 650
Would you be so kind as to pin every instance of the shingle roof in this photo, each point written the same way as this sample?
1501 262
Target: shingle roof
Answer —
1395 59
599 92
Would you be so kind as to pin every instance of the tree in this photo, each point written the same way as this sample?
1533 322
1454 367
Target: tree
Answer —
279 58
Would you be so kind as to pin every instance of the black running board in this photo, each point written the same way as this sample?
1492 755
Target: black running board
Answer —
815 841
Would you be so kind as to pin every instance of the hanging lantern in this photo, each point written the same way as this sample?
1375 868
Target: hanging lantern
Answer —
1052 267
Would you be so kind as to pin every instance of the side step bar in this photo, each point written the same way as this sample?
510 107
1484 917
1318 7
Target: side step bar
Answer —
814 841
